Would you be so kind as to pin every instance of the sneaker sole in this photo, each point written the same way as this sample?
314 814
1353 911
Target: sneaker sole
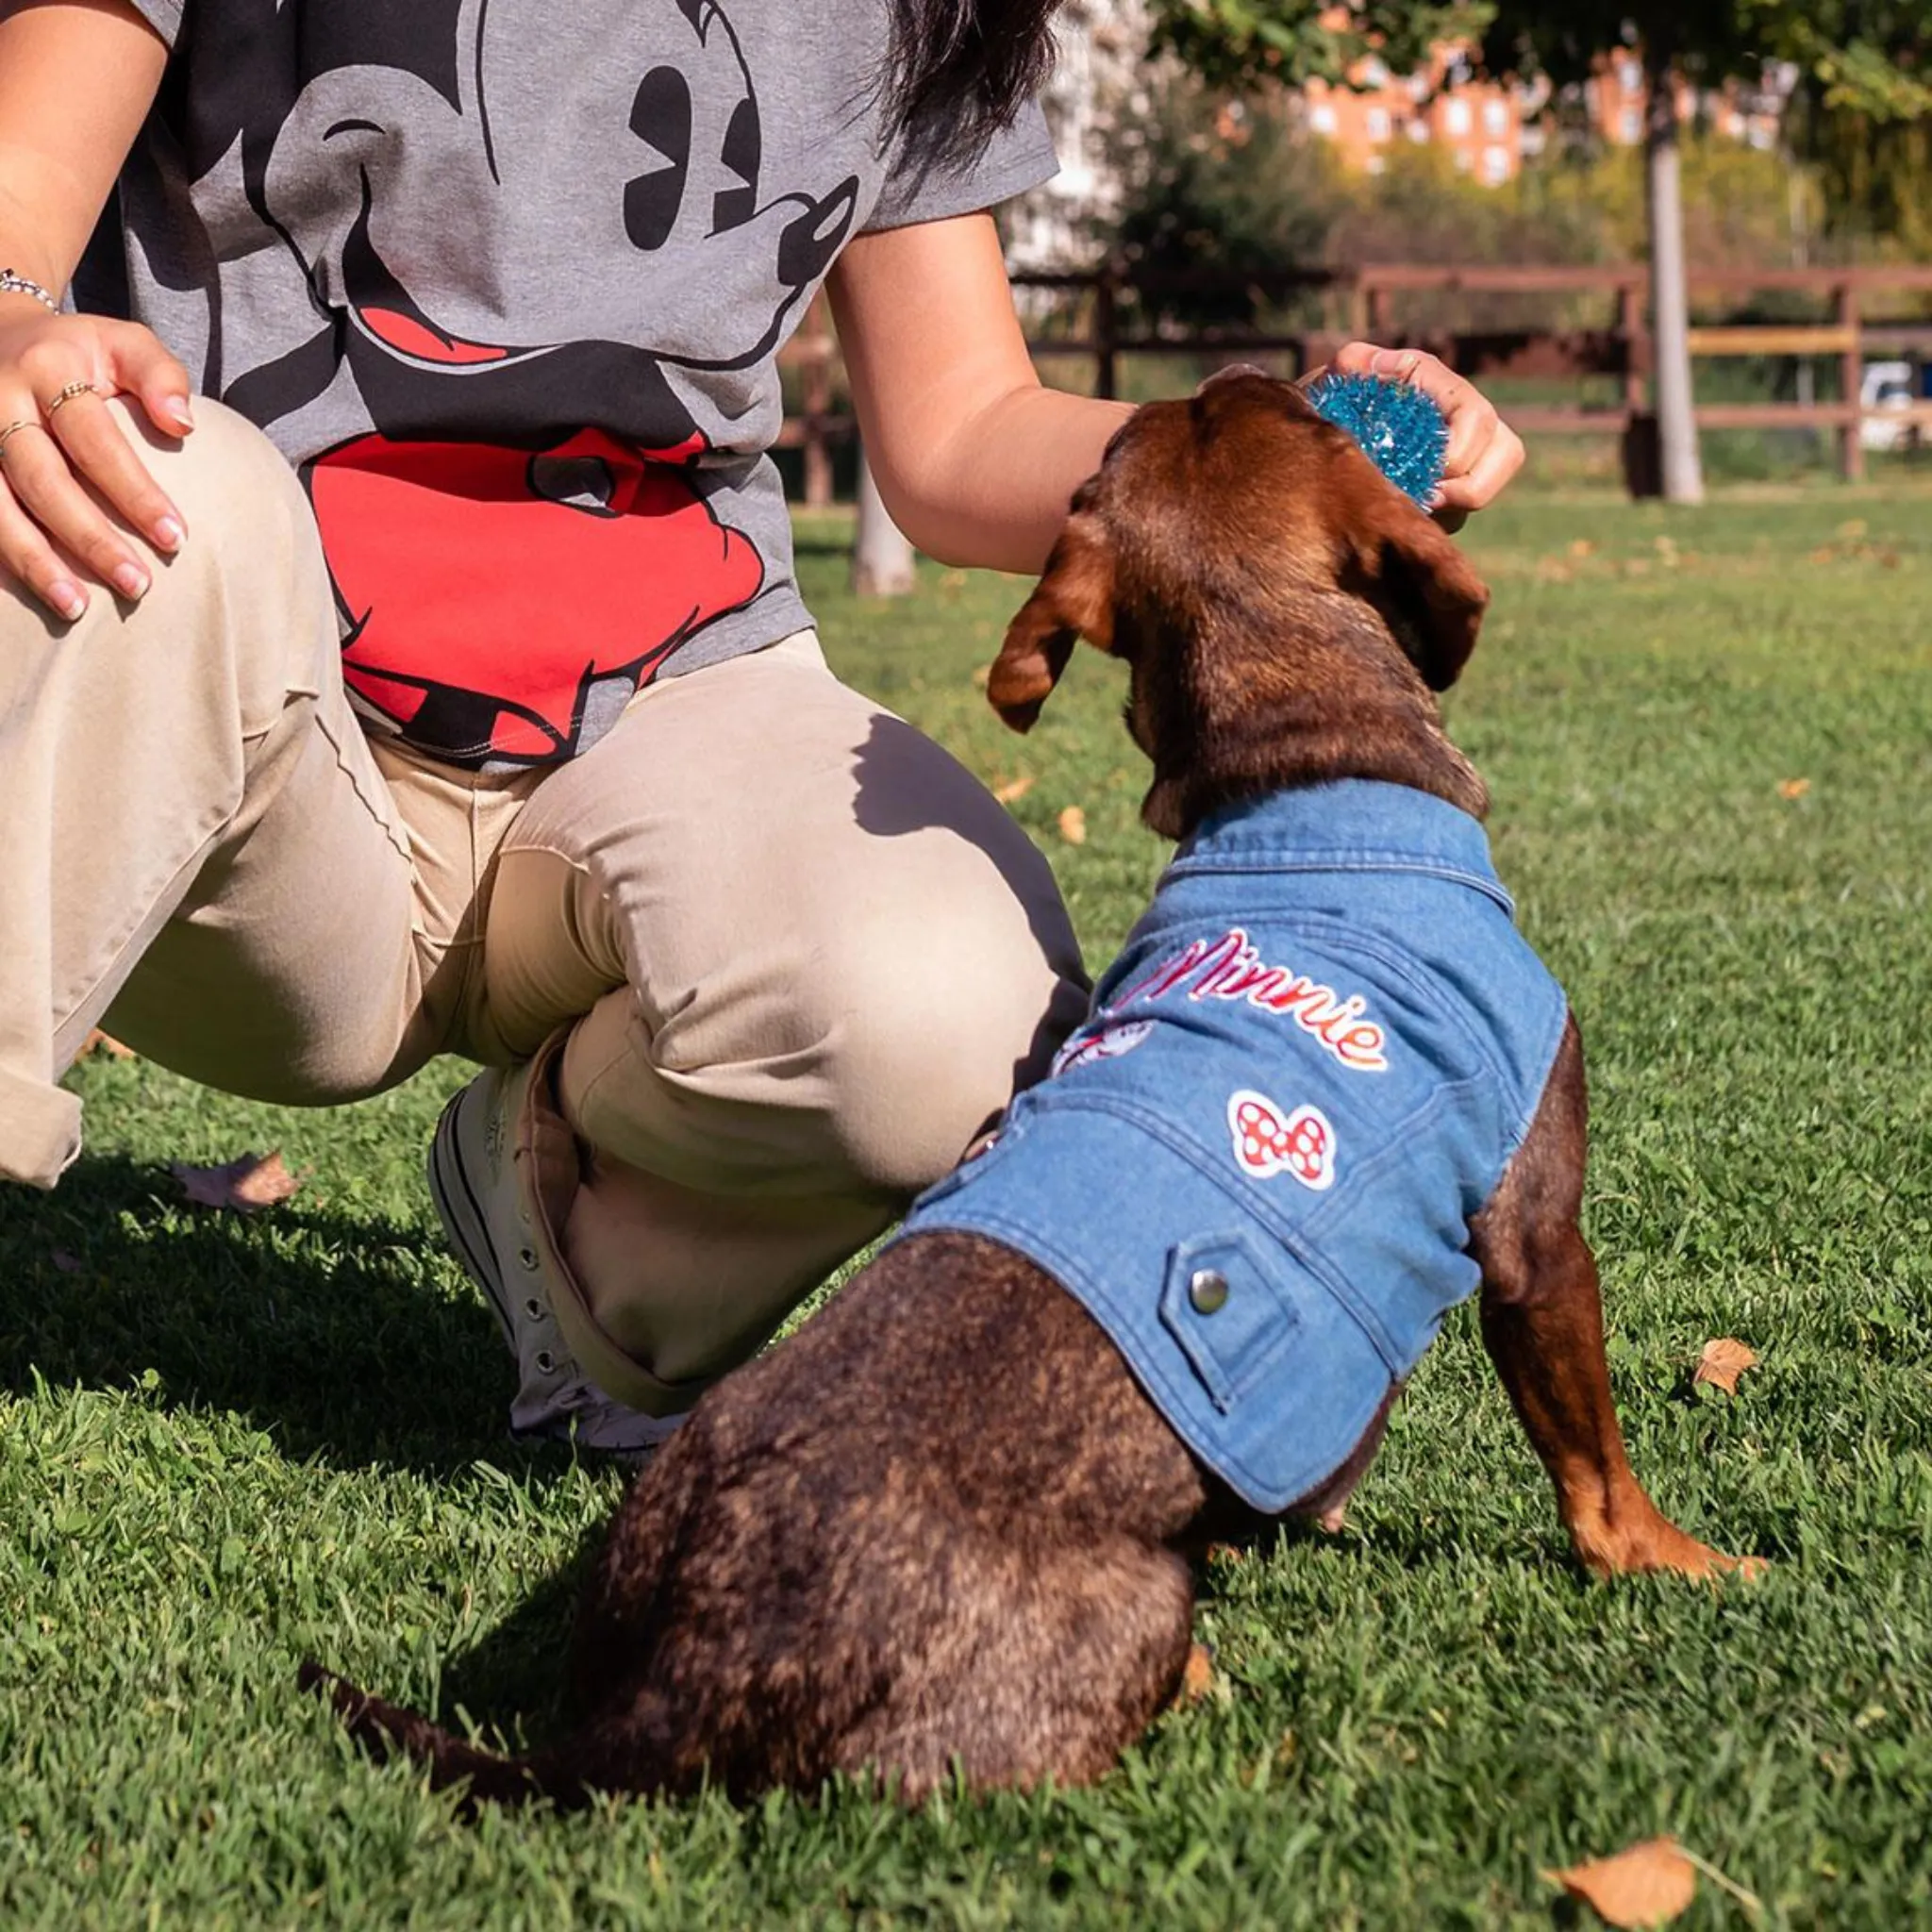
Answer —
461 1214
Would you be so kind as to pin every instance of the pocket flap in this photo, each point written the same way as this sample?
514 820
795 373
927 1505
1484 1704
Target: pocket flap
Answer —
1226 1303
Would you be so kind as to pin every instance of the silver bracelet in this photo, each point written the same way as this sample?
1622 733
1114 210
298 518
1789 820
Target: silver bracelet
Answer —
11 284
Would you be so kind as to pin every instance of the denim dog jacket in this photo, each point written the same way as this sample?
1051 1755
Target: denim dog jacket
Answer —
1256 1163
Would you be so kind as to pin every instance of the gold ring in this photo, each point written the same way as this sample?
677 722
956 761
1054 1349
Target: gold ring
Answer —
60 399
13 429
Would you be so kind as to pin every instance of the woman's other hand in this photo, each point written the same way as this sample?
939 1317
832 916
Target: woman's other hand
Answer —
1484 453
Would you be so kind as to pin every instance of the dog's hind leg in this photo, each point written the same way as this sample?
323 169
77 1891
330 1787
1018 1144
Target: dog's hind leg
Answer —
618 1612
1048 1667
1543 1324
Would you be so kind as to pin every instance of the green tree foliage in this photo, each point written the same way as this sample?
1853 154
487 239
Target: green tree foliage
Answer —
1220 189
1874 177
1218 192
1864 119
1237 42
1872 56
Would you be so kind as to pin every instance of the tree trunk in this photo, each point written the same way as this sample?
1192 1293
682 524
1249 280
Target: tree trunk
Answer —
881 555
1683 468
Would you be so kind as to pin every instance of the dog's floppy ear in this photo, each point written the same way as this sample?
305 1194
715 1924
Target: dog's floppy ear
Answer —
1420 579
1073 599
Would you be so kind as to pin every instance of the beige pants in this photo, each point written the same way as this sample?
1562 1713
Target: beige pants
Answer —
801 955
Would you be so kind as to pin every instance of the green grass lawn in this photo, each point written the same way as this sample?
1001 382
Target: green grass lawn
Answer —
226 1445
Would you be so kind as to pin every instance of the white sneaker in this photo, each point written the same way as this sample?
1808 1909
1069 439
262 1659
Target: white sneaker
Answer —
482 1199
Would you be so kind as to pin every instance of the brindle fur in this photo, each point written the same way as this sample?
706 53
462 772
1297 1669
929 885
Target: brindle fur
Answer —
942 1525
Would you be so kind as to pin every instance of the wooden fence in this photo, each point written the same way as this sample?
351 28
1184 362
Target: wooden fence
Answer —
1093 316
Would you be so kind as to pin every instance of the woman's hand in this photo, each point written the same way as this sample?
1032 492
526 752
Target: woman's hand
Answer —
1484 452
63 456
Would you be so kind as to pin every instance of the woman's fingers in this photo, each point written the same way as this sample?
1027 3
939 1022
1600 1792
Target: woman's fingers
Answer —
74 484
98 450
1486 477
1483 452
144 369
41 483
27 557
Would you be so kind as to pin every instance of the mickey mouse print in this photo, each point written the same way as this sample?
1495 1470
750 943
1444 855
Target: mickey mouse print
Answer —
506 282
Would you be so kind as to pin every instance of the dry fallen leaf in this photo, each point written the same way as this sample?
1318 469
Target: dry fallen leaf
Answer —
1723 1362
1582 546
1852 529
1793 788
1013 791
245 1185
1073 825
1197 1678
98 1042
1648 1885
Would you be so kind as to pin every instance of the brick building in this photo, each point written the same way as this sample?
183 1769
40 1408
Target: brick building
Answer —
1479 124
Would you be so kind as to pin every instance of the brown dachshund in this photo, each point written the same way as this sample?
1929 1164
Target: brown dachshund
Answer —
944 1525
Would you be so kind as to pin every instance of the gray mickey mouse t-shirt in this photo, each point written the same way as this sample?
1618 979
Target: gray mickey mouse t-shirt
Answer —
505 281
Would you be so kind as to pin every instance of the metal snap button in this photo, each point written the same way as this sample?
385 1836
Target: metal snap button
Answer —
1207 1291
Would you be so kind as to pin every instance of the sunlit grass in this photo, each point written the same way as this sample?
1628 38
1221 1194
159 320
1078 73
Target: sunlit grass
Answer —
225 1444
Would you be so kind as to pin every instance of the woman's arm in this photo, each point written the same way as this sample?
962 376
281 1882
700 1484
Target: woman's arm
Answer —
76 79
974 457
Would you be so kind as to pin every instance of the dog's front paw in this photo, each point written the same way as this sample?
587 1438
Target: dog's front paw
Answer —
1654 1544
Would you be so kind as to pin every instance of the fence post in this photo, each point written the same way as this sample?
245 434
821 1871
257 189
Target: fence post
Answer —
1106 375
1641 452
1378 322
1630 326
1851 444
1357 302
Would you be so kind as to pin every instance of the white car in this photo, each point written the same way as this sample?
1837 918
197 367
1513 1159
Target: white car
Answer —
1887 385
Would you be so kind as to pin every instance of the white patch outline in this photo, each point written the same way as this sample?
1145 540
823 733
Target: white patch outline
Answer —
1264 1164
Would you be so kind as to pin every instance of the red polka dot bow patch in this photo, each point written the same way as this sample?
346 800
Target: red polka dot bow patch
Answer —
1267 1143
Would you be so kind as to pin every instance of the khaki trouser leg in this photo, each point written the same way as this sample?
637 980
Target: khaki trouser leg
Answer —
812 959
796 956
190 810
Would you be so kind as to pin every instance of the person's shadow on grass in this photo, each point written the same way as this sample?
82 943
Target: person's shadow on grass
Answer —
349 1340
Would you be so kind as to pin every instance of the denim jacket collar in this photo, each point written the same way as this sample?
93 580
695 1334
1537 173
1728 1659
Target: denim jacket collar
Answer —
1349 824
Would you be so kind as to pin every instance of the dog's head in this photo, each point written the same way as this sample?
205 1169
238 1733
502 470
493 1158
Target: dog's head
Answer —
1284 609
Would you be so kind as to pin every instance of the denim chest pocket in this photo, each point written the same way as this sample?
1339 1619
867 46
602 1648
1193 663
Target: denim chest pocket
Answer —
1230 1304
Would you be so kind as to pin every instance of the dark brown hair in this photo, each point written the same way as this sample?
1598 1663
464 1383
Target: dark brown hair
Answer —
958 70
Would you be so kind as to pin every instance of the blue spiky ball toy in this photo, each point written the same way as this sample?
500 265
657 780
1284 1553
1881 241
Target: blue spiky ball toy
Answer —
1400 429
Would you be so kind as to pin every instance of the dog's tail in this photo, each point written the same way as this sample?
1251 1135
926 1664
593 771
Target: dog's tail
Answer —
385 1729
